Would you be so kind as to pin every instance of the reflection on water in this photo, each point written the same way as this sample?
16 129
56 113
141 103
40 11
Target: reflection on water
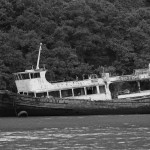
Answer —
97 132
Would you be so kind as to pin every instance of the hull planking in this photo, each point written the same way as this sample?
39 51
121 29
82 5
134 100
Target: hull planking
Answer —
12 104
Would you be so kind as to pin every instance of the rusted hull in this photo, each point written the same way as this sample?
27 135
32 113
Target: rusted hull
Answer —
12 104
7 111
32 111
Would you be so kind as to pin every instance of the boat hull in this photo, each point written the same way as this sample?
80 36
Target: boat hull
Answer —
32 111
12 104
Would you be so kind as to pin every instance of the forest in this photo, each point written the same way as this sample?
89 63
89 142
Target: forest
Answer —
79 37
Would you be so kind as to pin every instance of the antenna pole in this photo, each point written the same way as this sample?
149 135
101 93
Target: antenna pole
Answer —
37 66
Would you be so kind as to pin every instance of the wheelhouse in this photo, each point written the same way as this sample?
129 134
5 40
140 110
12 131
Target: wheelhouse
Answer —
26 75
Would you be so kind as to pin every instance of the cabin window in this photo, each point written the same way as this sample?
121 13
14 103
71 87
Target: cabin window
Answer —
35 75
16 77
79 91
25 76
31 94
19 76
66 93
25 93
91 90
128 87
54 93
32 75
144 85
102 89
42 94
122 88
20 92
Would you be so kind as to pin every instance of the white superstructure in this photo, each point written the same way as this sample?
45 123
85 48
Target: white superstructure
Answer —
33 82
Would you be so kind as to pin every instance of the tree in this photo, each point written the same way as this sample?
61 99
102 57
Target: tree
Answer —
63 64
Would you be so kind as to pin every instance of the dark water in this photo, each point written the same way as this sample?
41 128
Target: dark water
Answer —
76 133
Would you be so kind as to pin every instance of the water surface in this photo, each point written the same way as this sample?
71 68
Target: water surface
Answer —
85 132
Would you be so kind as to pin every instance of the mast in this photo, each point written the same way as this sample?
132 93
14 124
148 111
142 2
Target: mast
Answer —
37 66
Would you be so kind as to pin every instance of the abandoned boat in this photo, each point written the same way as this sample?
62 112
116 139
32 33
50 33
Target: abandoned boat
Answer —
128 94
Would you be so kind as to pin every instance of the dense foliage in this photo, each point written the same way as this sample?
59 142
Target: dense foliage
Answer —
79 37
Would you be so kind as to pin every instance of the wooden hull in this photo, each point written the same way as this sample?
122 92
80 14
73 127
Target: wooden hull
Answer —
12 104
6 104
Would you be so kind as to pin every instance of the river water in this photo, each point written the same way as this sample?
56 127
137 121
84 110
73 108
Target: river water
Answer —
76 133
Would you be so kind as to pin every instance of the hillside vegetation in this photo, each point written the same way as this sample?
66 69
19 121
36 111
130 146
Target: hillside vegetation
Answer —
79 37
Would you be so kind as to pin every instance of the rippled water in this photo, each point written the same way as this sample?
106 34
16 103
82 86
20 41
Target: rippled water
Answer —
87 132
